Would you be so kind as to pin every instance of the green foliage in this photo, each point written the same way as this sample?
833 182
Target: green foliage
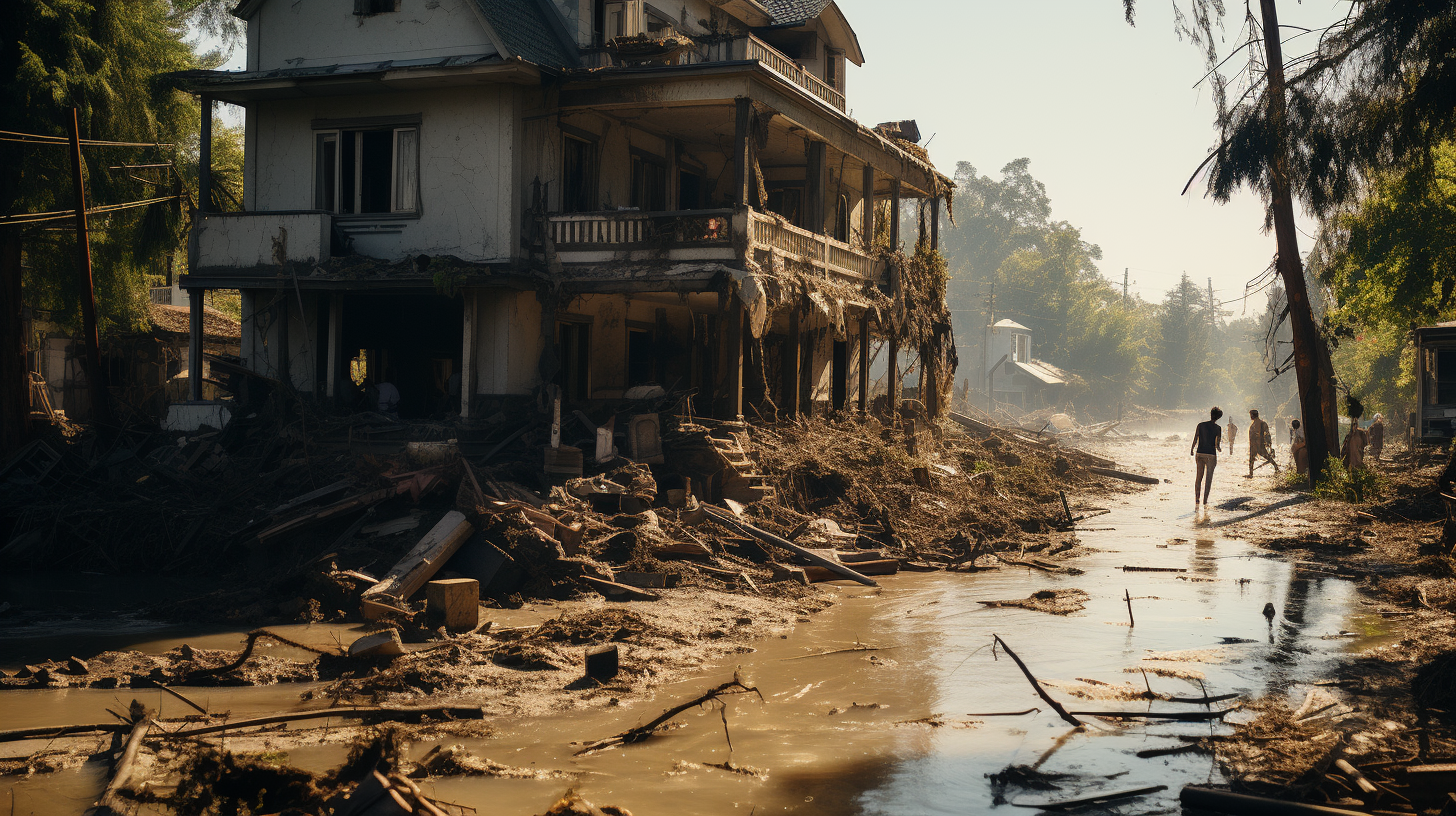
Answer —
1340 484
1183 343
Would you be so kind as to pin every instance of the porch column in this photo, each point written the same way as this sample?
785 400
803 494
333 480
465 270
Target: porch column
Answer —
204 164
895 214
742 108
867 208
894 389
467 352
935 223
194 345
814 182
790 379
336 342
731 405
864 361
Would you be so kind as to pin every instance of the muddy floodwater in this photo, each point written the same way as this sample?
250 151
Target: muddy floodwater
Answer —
896 730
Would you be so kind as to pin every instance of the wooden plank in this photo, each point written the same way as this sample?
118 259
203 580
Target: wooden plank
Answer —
1125 476
731 521
616 591
424 560
315 495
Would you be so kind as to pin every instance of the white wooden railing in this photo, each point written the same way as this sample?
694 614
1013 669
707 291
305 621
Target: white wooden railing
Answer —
807 247
635 228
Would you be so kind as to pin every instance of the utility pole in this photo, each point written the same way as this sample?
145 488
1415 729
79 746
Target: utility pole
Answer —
986 343
1212 308
1124 286
95 375
1312 366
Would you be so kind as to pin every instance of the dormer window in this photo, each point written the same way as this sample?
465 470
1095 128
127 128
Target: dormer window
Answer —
364 8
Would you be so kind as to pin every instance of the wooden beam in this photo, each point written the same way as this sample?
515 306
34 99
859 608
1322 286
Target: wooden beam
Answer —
895 214
424 560
742 111
789 387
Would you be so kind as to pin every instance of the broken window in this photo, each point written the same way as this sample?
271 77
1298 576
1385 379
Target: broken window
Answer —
373 170
578 175
834 69
649 183
364 8
788 202
689 191
841 219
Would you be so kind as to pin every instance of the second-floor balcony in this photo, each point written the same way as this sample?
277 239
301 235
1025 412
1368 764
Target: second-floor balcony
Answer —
646 51
700 235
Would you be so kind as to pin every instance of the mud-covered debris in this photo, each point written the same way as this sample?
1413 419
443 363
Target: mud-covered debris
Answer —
1051 601
571 804
457 760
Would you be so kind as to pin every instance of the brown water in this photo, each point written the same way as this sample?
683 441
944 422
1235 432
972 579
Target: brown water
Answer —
870 760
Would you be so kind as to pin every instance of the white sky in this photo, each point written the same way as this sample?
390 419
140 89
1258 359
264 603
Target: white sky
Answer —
1107 114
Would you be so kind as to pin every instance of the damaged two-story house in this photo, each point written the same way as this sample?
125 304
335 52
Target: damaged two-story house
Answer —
496 195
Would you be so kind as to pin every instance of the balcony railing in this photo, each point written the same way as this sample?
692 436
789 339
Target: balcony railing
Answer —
631 229
737 49
807 247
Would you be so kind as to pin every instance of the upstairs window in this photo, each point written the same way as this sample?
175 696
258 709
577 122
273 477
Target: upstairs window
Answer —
364 8
834 69
367 171
578 175
649 183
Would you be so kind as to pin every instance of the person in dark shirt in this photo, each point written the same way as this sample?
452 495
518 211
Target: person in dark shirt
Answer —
1207 442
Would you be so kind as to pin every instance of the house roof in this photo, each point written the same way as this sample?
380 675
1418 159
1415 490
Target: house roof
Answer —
1045 373
794 13
177 320
531 30
1008 323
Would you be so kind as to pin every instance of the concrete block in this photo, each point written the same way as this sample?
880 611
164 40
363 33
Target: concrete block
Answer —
453 603
602 662
644 438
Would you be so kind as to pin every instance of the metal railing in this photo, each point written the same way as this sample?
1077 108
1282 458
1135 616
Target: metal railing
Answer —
737 49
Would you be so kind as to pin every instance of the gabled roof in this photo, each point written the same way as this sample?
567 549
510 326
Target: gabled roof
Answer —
530 29
1008 323
794 13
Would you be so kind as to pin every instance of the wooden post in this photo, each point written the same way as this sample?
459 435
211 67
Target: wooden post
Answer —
867 207
894 388
814 178
96 384
895 214
281 309
336 342
743 107
935 223
14 364
864 361
1127 596
790 384
731 407
194 344
204 160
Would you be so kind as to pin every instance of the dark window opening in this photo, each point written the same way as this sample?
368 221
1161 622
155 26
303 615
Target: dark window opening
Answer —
367 7
839 391
326 171
578 175
831 69
787 202
573 343
641 357
689 191
841 219
1445 377
599 23
366 171
649 184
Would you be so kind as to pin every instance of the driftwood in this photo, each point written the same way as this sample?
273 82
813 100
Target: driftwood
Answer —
1125 476
642 732
248 652
1221 801
366 713
56 731
1092 800
858 647
1131 568
423 560
1180 716
727 519
111 801
1041 692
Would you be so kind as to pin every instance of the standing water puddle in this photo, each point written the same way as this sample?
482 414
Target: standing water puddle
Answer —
837 733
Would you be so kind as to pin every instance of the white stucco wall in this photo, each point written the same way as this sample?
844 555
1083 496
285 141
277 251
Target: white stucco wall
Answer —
293 34
244 240
468 140
508 340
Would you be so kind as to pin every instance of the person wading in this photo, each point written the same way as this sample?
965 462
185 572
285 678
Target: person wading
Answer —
1233 434
1207 442
1260 445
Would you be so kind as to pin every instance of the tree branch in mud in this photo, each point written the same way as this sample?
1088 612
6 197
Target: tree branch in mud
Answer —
248 652
642 732
1041 692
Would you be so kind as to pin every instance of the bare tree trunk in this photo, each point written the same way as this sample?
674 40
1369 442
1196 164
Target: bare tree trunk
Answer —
96 384
14 372
1312 365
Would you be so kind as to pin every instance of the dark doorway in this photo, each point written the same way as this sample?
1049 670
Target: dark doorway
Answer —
573 343
839 390
641 356
415 337
689 191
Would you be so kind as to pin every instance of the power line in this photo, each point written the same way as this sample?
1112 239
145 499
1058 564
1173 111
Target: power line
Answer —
36 218
61 141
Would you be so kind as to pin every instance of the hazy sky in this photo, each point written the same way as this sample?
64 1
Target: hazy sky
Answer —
1107 114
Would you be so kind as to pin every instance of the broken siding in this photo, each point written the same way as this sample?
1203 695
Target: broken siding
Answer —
327 32
466 138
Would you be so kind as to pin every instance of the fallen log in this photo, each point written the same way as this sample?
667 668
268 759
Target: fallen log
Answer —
1221 801
1091 800
111 801
1153 569
819 574
642 732
1177 716
1354 775
423 561
366 713
1124 475
48 732
727 519
1031 678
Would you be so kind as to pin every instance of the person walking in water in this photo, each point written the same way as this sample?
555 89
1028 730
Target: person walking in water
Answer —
1207 442
1377 436
1259 443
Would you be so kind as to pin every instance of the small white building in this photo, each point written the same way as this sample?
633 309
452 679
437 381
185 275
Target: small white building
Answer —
514 193
1013 376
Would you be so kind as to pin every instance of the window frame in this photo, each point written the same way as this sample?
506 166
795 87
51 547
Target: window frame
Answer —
339 129
592 174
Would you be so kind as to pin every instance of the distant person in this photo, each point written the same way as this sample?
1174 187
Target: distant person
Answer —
1207 442
1353 451
1298 451
1233 434
1260 443
1377 436
388 396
